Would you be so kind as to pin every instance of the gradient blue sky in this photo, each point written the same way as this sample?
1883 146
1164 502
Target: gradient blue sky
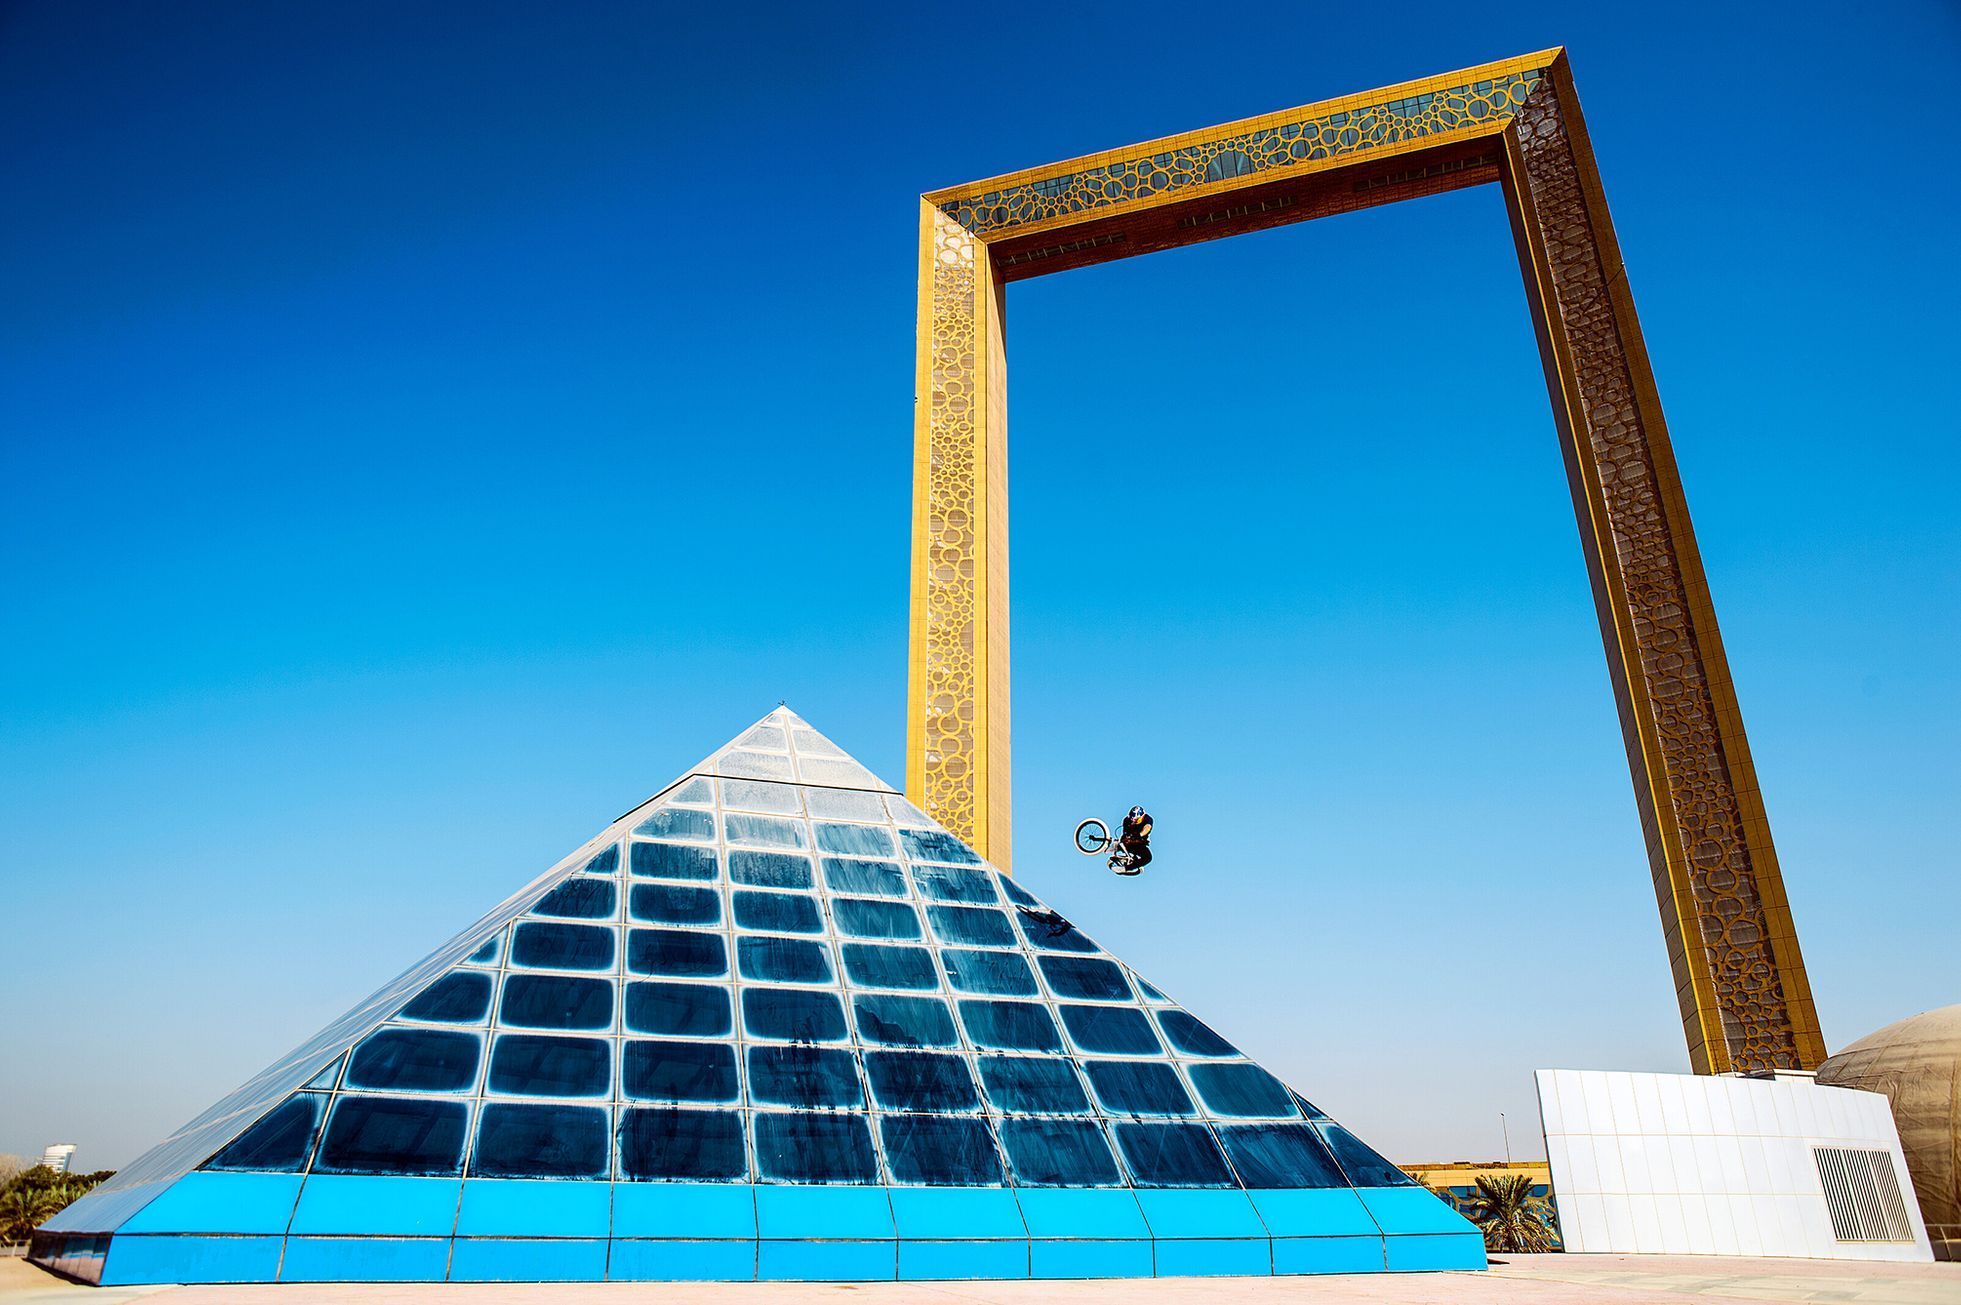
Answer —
429 428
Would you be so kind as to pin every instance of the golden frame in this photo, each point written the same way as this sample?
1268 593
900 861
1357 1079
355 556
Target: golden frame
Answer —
1740 978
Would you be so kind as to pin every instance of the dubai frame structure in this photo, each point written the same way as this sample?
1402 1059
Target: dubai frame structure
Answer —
1739 975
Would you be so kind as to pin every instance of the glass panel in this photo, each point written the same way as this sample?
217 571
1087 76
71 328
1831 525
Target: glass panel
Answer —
1241 1090
797 1016
835 805
769 870
606 861
803 1076
872 878
1172 1155
705 1145
678 1071
1363 1166
1113 1030
972 925
764 831
394 1135
1129 1087
1052 933
541 946
1010 1025
461 997
1003 974
770 738
279 1143
534 1065
694 1010
777 912
1058 1153
940 1151
672 861
905 813
415 1060
920 1080
793 1147
698 791
753 765
1016 893
674 904
945 883
856 840
1279 1155
579 899
677 953
672 822
523 1141
1192 1037
1085 978
783 960
1020 1085
487 954
553 1001
936 845
812 744
903 1021
756 795
867 919
871 966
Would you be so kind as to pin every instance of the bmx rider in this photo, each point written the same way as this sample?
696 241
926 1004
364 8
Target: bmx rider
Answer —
1135 839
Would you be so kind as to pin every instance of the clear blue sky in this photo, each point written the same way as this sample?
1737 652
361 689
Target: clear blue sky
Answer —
429 428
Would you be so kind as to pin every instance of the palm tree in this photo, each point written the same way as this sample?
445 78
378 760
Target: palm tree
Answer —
1511 1218
22 1210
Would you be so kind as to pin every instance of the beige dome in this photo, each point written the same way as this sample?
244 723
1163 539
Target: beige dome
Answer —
1917 1064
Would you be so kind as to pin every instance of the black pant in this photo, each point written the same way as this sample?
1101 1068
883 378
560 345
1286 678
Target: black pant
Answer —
1139 850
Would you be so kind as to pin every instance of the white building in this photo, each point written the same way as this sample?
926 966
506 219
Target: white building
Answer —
59 1156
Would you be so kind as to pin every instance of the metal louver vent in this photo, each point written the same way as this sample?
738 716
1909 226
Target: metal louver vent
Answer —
1862 1191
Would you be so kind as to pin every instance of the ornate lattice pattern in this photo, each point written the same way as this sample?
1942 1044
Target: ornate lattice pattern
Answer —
1333 135
955 474
1728 911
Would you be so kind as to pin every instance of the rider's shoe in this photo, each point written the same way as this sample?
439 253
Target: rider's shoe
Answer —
1127 869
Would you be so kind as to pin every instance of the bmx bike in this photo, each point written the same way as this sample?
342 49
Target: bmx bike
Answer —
1093 838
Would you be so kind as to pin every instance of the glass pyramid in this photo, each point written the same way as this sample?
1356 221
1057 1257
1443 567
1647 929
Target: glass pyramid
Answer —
773 1023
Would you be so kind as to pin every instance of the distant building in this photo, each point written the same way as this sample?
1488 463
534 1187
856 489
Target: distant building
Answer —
59 1156
1456 1181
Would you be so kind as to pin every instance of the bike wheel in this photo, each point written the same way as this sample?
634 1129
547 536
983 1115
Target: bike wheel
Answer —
1092 836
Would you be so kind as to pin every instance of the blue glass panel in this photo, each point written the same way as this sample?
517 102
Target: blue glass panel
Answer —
525 1141
770 870
278 1143
794 1147
783 960
556 1001
803 1076
1113 1030
1172 1155
676 953
855 840
1000 974
777 912
1307 1107
1058 1153
872 966
945 883
1010 1025
677 822
1084 977
787 1013
393 1135
1016 893
487 954
462 997
1150 993
1130 1087
1051 932
541 946
1021 1085
674 904
415 1060
534 1065
579 899
1242 1090
672 861
678 1071
936 845
920 1080
898 1021
606 861
1279 1155
940 1151
1363 1166
704 1145
865 919
1192 1037
873 878
768 831
973 925
695 1010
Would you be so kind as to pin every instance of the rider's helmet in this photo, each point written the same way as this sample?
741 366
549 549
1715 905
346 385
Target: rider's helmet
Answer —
1137 813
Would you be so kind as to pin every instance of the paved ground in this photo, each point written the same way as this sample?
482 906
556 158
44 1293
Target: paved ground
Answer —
1516 1280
